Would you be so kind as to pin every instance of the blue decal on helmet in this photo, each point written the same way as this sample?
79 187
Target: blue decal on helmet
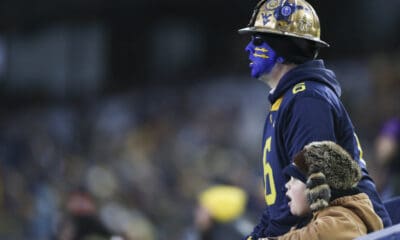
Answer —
266 18
286 11
283 12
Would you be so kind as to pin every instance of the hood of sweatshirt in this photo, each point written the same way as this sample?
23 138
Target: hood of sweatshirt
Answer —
310 71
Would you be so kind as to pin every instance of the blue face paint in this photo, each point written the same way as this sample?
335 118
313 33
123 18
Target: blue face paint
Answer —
262 57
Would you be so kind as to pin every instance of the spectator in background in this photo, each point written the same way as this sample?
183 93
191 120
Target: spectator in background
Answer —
217 214
385 164
81 221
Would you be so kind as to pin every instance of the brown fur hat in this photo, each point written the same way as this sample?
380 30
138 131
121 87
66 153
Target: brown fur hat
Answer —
327 166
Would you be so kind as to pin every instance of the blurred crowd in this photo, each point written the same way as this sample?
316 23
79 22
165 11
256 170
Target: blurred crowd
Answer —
132 165
136 161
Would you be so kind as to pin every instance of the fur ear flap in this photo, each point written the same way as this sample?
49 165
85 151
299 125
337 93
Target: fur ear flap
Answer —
316 179
319 204
318 191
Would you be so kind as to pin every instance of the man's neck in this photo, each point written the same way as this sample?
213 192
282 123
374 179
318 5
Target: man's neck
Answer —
272 79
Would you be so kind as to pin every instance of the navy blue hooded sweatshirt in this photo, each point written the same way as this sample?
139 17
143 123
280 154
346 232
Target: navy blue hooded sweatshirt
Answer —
305 107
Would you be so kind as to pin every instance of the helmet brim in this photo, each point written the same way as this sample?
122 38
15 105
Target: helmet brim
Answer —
252 30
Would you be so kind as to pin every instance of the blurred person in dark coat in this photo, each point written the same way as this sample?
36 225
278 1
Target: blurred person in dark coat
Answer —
81 221
385 165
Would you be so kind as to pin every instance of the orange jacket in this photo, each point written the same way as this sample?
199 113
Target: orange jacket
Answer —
347 217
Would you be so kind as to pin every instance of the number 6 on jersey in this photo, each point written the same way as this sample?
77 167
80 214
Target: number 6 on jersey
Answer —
270 191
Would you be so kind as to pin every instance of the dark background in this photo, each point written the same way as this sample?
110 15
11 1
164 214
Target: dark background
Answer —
172 42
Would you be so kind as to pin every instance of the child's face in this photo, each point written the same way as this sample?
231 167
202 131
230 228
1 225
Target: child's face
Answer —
296 192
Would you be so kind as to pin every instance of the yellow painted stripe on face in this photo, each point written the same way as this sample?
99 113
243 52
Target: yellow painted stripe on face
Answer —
260 55
261 49
276 104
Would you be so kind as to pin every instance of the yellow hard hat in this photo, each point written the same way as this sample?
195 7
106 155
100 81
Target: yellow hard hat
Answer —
225 203
294 18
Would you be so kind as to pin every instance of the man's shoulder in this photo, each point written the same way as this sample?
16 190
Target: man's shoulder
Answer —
310 89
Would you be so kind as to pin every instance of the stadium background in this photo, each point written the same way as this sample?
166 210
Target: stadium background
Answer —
145 103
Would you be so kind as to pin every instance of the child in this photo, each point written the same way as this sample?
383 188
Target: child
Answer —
322 187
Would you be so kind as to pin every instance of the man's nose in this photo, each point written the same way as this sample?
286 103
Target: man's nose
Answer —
249 48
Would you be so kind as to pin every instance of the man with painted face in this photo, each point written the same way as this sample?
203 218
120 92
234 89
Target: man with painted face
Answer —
305 104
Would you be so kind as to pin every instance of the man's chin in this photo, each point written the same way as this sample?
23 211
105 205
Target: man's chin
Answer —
265 78
256 74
